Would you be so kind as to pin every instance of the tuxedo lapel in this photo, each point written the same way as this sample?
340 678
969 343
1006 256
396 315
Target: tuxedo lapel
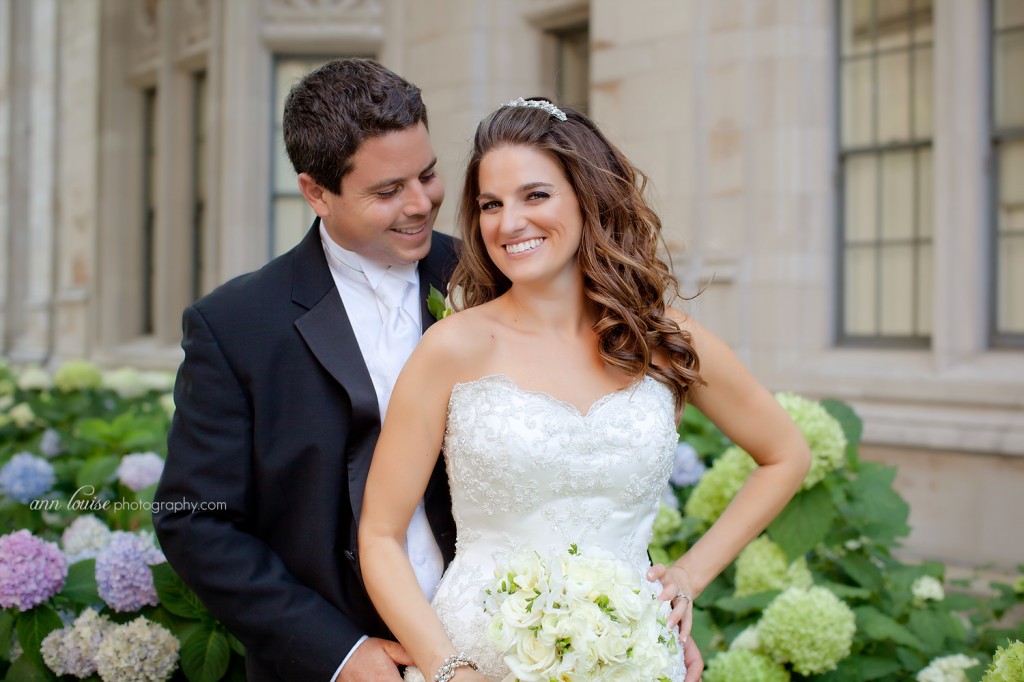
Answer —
435 270
326 329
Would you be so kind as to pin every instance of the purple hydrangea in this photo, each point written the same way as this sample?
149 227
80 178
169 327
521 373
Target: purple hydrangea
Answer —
122 571
31 570
687 468
140 470
26 477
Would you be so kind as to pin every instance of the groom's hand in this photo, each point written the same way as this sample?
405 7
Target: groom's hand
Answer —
375 659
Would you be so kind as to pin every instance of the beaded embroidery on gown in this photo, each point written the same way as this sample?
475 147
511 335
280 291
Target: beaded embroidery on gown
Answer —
529 471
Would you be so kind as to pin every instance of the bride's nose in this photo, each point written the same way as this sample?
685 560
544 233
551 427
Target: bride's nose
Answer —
513 222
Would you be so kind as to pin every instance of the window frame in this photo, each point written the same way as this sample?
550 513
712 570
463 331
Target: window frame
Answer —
997 339
915 144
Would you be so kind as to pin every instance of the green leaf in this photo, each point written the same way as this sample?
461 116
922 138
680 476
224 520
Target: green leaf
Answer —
879 627
436 303
875 504
703 630
844 591
852 425
863 572
804 522
861 669
80 585
33 626
927 627
911 660
236 645
27 669
174 594
97 471
748 603
6 630
205 655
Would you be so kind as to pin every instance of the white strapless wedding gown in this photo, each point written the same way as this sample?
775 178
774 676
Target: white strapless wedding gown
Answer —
530 471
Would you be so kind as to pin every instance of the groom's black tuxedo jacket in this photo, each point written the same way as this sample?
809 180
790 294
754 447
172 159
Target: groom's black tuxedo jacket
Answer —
276 421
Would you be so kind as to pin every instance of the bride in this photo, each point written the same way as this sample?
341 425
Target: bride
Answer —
555 395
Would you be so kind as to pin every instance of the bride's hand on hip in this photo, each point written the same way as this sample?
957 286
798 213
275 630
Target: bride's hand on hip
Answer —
678 591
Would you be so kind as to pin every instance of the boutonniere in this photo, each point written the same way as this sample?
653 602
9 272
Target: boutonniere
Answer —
439 306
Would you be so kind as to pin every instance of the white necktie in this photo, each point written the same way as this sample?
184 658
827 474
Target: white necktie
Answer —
399 333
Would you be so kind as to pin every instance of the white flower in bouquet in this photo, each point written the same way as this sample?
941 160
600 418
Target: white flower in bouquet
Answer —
577 616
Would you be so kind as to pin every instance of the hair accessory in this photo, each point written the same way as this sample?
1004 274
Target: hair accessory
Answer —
447 670
537 104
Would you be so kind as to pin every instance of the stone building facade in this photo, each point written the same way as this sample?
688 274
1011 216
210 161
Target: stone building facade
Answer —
844 179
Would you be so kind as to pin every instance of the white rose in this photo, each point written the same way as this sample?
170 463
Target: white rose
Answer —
518 611
534 660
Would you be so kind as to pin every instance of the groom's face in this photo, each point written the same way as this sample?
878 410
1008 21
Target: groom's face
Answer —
389 200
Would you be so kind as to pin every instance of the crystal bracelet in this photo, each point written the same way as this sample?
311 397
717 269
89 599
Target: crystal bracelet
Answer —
447 670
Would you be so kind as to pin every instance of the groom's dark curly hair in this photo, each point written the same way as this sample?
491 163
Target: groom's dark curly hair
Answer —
625 278
333 110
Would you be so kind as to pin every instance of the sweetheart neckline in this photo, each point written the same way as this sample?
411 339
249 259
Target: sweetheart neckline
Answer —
594 406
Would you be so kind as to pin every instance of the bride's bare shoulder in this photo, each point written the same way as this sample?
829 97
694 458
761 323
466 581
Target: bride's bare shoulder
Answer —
462 340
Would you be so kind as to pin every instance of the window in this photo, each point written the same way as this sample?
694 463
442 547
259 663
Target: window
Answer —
1008 163
885 163
572 66
198 181
291 216
149 204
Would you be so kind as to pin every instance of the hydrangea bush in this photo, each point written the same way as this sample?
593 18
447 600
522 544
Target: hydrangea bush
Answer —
820 595
85 592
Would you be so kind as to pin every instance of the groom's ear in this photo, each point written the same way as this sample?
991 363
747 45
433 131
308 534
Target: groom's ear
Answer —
314 194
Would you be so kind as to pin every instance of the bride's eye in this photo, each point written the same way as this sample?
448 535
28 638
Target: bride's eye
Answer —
487 205
537 195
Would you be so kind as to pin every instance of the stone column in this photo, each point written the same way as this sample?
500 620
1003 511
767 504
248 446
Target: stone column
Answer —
6 95
78 177
32 340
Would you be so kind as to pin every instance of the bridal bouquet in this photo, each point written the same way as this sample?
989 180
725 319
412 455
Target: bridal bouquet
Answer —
576 616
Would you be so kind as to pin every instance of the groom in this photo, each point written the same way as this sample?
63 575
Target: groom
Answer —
286 376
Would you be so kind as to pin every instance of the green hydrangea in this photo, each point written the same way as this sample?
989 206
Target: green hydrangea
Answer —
762 565
824 435
77 375
719 485
1007 664
947 669
812 629
665 546
139 651
666 524
743 665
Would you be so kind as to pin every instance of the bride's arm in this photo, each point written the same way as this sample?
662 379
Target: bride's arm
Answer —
750 416
405 456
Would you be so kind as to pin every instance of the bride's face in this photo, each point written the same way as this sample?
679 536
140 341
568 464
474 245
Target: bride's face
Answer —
530 219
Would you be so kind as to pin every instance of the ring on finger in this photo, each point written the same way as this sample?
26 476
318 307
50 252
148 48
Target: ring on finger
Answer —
683 595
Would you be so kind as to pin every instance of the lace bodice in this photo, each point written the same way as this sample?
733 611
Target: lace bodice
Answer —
530 471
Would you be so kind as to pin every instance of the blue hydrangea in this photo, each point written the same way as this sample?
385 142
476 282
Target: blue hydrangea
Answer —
26 477
122 571
687 467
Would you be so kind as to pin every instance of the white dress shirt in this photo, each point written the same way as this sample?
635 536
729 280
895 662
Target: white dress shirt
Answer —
356 278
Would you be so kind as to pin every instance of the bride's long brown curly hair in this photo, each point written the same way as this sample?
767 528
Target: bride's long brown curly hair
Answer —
624 277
